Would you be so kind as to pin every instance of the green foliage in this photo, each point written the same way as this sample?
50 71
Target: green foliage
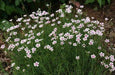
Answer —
54 40
100 2
4 25
2 5
9 7
63 1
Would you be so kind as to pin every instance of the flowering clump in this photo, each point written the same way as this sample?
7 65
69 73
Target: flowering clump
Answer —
63 43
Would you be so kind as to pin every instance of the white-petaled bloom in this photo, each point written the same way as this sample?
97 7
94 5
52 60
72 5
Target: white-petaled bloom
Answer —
23 41
79 11
98 32
14 33
93 56
101 54
106 57
77 57
47 5
74 44
38 45
54 42
12 65
106 66
102 63
111 64
92 32
29 55
17 68
3 46
58 22
33 50
81 6
107 40
78 40
61 43
106 19
23 70
112 58
38 34
91 42
84 45
16 39
48 47
36 64
40 26
36 40
62 39
28 65
84 39
99 47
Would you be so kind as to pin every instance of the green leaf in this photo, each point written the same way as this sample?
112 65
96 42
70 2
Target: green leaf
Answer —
4 25
2 5
100 2
89 1
11 9
63 1
29 1
109 1
17 2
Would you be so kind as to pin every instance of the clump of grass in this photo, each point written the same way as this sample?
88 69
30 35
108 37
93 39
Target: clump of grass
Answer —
58 44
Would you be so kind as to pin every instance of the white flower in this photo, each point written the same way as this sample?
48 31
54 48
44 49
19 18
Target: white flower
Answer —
101 54
106 19
16 39
38 34
84 39
81 6
74 44
2 46
17 68
106 57
93 56
12 64
23 70
106 66
107 40
36 64
36 40
54 42
91 42
47 5
99 47
29 55
61 43
33 50
62 38
92 32
37 45
77 57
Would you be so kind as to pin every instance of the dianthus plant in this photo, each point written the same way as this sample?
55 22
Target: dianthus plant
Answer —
60 43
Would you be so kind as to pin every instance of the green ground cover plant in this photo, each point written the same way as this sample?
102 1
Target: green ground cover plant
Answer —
62 43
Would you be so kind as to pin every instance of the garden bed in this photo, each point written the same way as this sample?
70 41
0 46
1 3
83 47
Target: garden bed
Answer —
110 29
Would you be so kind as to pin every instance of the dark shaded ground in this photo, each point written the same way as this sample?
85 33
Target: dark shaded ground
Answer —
107 11
100 14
